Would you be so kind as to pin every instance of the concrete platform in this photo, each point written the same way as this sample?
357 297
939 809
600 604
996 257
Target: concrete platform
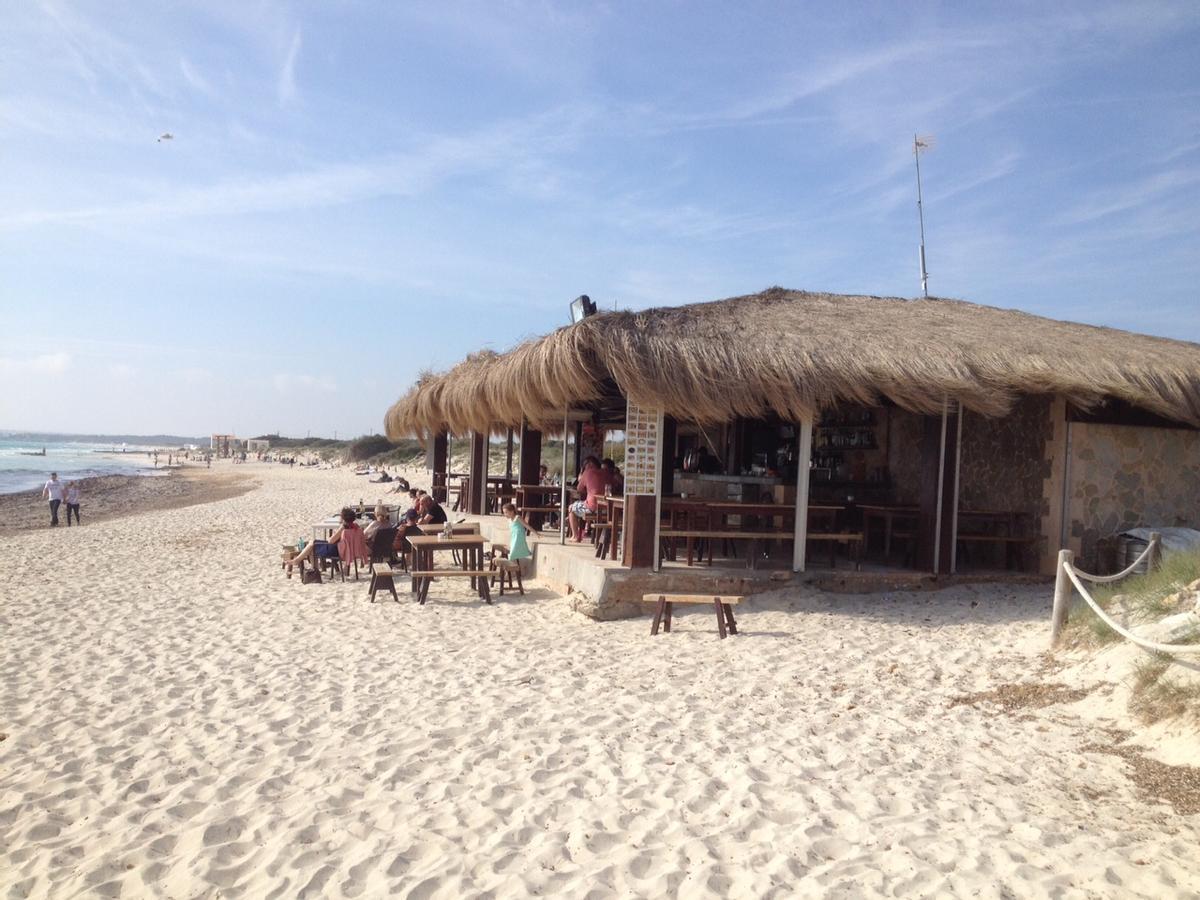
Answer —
604 589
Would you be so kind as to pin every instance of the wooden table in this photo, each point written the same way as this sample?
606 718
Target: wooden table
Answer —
326 527
674 506
471 546
502 484
534 498
887 514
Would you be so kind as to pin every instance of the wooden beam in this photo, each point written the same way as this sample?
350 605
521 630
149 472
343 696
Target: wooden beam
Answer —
938 492
477 472
563 518
669 437
439 455
803 458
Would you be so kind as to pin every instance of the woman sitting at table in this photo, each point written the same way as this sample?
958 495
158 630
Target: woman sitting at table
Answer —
319 550
382 520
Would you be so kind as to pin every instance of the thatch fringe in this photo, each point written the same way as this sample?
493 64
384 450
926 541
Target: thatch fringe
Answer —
794 353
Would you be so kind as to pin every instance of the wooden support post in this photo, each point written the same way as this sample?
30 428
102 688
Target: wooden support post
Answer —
508 457
640 530
666 480
563 518
439 456
1062 597
578 449
528 466
530 455
938 492
1155 558
803 460
477 472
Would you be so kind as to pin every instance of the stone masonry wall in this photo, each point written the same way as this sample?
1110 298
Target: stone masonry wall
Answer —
1004 461
904 455
1127 477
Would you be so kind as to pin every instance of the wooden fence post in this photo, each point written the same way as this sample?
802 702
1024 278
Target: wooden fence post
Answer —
1062 596
1155 559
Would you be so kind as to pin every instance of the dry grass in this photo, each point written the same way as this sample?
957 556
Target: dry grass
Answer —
794 353
1157 695
1030 695
1138 599
1177 785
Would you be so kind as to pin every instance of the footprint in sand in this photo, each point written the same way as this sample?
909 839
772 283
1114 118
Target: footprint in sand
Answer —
223 832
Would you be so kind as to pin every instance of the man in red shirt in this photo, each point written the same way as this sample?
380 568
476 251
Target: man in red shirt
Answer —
591 482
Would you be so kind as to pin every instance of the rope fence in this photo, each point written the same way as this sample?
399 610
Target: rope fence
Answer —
1067 576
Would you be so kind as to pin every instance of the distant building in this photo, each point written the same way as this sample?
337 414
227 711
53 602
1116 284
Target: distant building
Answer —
258 445
224 444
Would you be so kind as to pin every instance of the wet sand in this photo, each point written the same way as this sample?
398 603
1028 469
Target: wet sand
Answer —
114 496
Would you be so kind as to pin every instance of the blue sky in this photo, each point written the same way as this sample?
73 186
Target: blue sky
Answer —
357 192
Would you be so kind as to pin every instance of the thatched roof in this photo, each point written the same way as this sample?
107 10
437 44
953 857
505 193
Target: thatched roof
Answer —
794 353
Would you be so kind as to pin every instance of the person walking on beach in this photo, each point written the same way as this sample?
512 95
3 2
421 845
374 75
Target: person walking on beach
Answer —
53 491
72 502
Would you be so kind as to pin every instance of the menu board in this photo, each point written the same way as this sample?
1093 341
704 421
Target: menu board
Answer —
643 435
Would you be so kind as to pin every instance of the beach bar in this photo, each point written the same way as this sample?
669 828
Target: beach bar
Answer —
812 429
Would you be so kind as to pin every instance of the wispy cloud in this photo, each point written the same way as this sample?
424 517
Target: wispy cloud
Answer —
122 371
1126 197
45 364
287 383
286 87
437 159
193 77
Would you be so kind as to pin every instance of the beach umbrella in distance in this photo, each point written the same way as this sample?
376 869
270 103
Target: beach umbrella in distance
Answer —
165 136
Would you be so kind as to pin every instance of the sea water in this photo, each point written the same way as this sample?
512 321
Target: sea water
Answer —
21 472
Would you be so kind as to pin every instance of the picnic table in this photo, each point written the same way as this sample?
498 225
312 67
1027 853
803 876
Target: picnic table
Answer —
887 514
984 525
331 523
425 547
538 500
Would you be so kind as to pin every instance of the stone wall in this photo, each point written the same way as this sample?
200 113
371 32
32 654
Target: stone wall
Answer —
1124 476
1004 461
904 455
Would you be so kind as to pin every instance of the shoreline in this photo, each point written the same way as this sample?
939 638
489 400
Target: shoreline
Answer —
106 497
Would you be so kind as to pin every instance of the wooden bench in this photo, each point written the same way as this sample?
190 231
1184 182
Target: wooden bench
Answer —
854 538
422 579
540 511
1010 543
723 604
383 577
691 536
834 538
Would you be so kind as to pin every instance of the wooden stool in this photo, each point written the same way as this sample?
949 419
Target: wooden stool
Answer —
507 567
383 578
722 604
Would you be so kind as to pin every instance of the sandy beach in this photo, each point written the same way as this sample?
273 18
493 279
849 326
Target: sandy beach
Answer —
181 720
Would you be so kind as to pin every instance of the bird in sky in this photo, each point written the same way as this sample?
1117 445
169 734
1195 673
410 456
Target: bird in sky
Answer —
166 136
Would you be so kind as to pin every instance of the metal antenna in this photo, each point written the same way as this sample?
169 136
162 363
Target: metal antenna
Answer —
922 143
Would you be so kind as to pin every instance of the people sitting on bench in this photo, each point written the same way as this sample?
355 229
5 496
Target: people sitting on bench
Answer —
319 550
591 484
